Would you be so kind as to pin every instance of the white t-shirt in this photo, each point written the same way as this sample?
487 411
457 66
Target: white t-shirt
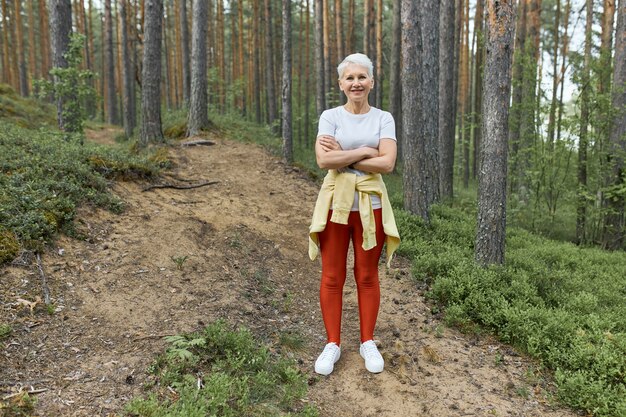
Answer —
354 131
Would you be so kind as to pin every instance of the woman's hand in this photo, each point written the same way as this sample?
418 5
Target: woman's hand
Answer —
329 143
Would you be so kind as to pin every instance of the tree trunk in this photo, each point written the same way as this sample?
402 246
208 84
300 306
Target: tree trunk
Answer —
111 110
583 141
6 48
491 227
341 53
198 105
151 75
446 98
379 55
516 111
420 53
307 89
350 41
242 94
60 32
320 92
395 85
614 225
34 67
128 71
46 52
257 60
287 133
184 33
269 67
464 96
23 71
555 77
328 68
478 83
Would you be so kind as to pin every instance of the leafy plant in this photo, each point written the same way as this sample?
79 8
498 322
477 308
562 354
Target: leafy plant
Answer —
222 372
71 85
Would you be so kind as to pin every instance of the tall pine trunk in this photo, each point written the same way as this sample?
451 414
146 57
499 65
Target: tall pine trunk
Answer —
111 110
614 225
128 72
286 84
583 141
269 66
395 85
198 101
320 91
420 88
184 33
151 74
491 228
479 57
60 32
446 98
21 53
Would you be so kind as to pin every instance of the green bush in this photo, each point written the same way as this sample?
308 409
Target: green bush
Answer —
44 178
558 302
222 372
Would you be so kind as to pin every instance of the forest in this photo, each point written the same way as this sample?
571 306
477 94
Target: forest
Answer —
510 183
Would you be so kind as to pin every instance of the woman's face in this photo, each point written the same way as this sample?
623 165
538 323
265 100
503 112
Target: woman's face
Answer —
355 82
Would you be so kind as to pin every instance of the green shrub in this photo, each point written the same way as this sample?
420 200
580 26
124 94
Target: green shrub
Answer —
222 372
558 302
44 178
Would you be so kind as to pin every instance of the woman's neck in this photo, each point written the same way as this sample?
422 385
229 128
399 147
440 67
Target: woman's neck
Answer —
360 107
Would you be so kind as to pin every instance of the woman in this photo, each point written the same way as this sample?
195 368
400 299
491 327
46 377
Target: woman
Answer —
356 143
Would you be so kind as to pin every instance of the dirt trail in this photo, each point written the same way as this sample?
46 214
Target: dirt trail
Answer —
243 250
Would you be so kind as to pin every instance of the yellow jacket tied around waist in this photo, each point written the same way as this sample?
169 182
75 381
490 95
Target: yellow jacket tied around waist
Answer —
338 189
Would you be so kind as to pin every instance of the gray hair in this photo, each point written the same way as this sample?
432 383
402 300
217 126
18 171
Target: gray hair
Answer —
358 59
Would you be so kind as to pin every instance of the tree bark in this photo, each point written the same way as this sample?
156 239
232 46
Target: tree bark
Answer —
614 225
60 32
479 55
395 84
6 69
491 227
378 86
269 67
287 131
420 53
128 71
257 60
446 98
21 54
320 92
184 33
198 105
555 76
583 141
111 110
151 75
515 117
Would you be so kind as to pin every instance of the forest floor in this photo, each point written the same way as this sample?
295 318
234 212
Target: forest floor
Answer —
242 247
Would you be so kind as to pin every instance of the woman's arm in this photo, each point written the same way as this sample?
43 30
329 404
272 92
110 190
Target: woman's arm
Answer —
384 162
331 156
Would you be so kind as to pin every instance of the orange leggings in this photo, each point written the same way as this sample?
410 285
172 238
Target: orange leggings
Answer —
334 243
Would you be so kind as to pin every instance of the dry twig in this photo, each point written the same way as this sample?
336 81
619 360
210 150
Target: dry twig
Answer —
180 187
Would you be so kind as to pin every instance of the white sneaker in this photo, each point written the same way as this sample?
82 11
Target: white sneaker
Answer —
326 361
374 361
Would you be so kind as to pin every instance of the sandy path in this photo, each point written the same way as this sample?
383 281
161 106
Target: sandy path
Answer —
245 245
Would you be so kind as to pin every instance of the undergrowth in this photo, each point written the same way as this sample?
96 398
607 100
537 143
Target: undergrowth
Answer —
222 372
560 303
43 179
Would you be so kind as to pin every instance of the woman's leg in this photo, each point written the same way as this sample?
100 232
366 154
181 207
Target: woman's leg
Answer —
334 243
366 275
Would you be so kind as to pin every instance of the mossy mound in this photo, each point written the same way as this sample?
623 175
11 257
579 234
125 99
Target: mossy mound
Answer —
9 246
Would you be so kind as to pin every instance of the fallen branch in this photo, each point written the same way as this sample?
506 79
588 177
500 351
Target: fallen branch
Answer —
198 142
154 336
44 283
180 187
17 394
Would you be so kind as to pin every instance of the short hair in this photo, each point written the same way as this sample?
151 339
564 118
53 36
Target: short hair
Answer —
358 59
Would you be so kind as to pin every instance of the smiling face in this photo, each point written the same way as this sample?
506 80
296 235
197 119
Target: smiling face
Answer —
356 82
